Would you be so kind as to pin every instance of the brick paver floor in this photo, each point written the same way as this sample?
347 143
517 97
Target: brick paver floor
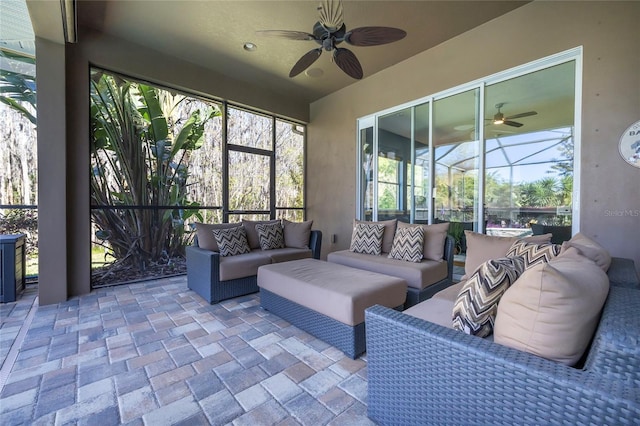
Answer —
155 353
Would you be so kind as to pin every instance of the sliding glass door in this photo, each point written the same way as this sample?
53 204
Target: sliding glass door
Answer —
456 158
495 156
529 151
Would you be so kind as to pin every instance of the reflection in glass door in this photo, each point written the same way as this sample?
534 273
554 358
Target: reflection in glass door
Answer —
529 153
421 165
394 162
455 122
367 167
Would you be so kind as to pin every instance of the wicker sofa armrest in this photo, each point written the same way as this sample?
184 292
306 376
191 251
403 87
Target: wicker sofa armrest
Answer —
622 273
423 373
203 270
315 243
449 246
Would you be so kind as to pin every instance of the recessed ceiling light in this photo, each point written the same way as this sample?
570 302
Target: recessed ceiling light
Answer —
250 47
314 72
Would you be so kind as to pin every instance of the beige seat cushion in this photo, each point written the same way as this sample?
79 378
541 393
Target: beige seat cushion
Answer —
481 248
337 291
436 310
242 265
552 310
434 236
417 275
450 293
288 253
590 249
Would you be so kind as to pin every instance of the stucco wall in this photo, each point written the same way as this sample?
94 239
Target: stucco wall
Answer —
610 36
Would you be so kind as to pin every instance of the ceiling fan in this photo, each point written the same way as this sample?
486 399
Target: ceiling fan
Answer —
499 117
329 32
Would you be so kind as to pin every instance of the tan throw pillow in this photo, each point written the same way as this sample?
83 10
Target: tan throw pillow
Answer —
533 253
252 234
434 236
475 308
553 309
204 231
590 249
481 247
297 234
232 241
389 232
367 238
408 244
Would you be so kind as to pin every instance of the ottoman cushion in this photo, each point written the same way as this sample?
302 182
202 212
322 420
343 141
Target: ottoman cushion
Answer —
337 291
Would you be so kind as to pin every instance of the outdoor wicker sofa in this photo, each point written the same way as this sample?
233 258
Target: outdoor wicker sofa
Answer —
424 278
204 268
420 372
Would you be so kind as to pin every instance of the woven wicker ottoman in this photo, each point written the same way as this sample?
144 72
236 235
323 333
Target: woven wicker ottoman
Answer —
328 300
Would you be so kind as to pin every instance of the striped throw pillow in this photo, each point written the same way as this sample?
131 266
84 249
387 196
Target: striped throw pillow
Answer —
232 241
533 253
270 236
408 244
367 238
477 303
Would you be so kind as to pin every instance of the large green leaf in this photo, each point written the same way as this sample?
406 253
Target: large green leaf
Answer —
158 122
15 105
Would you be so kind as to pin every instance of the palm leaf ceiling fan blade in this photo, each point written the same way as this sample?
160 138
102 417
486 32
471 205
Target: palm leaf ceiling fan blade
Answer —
499 117
512 123
305 62
374 36
290 35
347 61
521 115
331 15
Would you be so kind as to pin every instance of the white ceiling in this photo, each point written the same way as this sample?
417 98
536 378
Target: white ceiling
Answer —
211 33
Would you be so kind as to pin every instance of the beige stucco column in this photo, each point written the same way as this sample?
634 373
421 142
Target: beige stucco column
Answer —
52 172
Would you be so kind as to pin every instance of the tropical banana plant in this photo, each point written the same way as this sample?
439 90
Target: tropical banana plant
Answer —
17 88
139 173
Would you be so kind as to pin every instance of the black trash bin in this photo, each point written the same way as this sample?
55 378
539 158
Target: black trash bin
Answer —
12 267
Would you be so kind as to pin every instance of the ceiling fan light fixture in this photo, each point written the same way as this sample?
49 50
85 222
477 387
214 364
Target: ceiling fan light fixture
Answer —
498 118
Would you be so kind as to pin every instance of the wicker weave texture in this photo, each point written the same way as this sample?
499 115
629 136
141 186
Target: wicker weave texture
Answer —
622 273
421 373
350 340
615 351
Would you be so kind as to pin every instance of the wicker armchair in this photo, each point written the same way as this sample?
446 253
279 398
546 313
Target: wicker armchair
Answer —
423 373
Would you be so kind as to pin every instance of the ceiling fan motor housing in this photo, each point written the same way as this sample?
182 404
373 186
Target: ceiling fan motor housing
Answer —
328 39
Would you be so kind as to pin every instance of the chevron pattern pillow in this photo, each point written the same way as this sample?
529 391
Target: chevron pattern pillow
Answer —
232 241
367 238
408 244
534 253
270 235
476 306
